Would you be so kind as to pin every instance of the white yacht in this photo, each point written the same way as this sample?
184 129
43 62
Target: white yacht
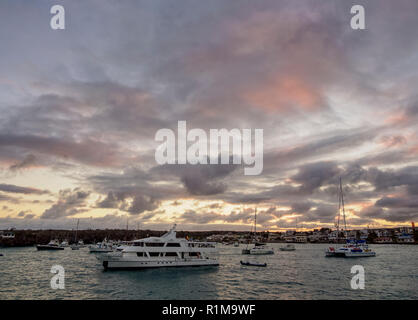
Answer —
164 251
104 246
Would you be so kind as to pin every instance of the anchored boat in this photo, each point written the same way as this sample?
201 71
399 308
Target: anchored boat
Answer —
288 247
259 248
353 248
253 264
102 247
52 245
164 251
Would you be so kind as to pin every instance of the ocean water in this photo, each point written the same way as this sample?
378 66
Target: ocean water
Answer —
301 274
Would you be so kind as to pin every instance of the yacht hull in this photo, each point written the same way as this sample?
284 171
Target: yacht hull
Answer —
46 247
349 254
258 253
132 265
98 250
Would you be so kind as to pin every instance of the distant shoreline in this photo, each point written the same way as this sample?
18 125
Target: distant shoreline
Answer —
27 238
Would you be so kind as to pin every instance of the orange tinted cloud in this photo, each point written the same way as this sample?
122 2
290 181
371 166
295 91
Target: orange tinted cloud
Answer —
392 141
285 94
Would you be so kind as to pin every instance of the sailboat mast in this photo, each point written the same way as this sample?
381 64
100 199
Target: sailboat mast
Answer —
339 212
342 202
255 222
76 230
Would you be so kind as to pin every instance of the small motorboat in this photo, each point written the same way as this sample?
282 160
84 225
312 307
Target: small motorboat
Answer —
52 245
104 246
253 264
261 248
65 244
288 247
1 254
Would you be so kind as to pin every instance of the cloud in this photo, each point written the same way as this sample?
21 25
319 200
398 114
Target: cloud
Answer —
70 202
27 162
88 151
23 190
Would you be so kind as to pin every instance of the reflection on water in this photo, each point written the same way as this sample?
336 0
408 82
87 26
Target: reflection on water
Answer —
301 274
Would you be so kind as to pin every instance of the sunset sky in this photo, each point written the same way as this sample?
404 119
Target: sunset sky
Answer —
79 109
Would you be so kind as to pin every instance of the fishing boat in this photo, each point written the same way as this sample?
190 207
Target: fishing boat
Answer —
288 247
52 245
253 264
353 248
164 251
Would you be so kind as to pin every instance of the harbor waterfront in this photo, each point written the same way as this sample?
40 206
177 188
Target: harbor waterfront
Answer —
301 274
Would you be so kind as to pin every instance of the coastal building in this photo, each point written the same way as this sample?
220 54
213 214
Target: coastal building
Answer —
405 238
301 238
383 240
364 233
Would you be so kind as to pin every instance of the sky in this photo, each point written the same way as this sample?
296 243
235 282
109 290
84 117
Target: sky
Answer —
80 107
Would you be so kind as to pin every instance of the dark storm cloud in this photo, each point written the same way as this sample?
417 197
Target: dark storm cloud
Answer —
391 215
89 151
23 190
200 179
335 142
316 175
142 203
394 202
130 201
70 202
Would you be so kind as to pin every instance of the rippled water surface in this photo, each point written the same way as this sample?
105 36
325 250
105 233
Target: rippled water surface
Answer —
301 274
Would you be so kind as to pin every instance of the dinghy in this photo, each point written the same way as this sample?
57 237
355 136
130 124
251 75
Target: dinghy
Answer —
253 264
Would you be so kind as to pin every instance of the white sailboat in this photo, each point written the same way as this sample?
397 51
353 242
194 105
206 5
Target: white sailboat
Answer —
259 248
353 248
76 244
